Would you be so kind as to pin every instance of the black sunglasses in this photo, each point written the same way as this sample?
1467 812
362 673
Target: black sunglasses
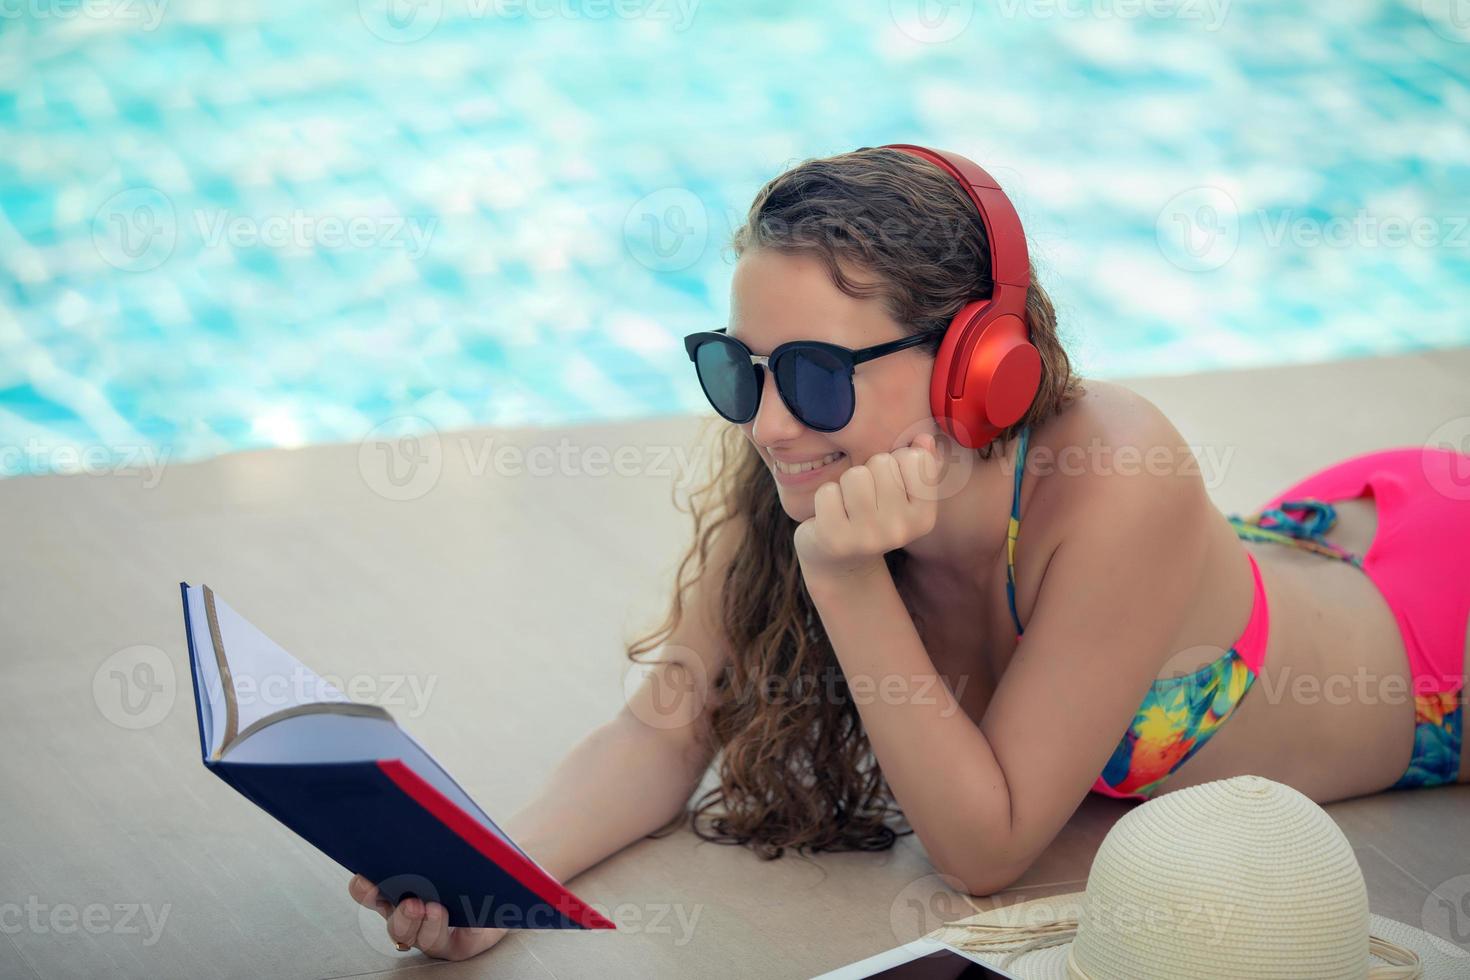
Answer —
813 378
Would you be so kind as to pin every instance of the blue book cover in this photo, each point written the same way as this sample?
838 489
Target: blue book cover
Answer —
348 780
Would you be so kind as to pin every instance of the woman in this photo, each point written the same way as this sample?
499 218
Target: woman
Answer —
1098 625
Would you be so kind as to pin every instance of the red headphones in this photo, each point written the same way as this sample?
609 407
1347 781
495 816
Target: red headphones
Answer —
987 371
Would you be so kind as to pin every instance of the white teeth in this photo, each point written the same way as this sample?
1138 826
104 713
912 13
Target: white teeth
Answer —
792 469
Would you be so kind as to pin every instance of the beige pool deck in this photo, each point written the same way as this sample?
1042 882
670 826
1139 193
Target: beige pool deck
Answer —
488 612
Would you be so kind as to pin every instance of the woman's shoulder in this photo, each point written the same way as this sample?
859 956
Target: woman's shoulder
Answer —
1114 477
1108 413
1110 446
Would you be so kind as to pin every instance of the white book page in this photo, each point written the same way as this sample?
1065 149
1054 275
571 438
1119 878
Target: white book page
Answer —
266 679
208 691
327 736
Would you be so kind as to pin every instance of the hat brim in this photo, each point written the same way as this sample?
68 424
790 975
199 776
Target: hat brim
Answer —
1442 960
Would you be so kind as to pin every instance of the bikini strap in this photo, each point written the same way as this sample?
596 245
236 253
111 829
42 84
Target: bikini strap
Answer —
1276 524
1014 528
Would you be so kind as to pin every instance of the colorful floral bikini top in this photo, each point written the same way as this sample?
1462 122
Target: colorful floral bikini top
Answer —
1179 714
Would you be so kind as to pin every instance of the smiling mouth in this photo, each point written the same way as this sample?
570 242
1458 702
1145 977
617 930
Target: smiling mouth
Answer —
794 469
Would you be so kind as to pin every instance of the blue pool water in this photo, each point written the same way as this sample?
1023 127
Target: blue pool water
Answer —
230 225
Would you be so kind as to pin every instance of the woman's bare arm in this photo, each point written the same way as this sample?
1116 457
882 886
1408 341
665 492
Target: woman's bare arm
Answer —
633 776
986 799
624 780
638 770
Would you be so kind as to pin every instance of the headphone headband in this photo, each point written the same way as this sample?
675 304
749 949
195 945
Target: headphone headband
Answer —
1010 264
986 372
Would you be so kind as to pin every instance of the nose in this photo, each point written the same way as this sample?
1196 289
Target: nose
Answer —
773 421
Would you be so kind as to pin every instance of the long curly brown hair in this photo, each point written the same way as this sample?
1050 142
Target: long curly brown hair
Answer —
794 765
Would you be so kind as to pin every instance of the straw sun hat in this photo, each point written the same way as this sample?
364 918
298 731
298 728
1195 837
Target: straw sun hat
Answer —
1234 879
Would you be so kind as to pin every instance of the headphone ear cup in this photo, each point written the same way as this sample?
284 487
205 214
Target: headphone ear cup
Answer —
941 405
1015 372
997 382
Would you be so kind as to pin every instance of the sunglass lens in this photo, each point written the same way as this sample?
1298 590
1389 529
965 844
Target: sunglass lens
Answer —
728 378
816 387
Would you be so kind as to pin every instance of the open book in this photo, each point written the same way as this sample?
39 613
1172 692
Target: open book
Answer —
346 778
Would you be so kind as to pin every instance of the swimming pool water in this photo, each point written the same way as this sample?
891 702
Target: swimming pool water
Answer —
239 225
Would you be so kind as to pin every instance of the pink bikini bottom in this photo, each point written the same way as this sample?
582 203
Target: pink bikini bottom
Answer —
1420 555
1419 560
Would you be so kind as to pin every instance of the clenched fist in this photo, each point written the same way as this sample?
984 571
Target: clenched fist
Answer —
869 510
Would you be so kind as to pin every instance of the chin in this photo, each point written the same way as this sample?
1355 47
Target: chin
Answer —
798 506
